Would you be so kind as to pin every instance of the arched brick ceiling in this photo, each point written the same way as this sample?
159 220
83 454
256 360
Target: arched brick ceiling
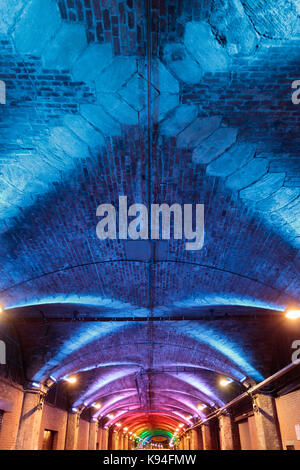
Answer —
189 102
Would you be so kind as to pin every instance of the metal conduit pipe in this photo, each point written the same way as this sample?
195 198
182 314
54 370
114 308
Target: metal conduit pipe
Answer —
246 394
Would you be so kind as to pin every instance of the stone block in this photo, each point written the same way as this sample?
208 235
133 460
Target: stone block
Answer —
264 187
279 199
46 173
65 47
162 79
162 105
204 47
248 174
96 115
92 62
85 131
118 109
181 63
69 143
179 120
116 74
53 155
291 212
236 157
39 22
199 130
215 145
233 27
134 92
19 187
275 19
9 9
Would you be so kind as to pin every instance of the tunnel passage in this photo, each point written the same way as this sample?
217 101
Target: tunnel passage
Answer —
182 102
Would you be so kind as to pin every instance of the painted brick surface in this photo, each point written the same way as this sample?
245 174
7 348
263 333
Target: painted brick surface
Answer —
288 409
54 419
14 395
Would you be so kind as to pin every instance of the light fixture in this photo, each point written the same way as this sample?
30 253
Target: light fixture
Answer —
97 406
225 382
293 314
74 410
245 383
125 429
201 407
50 381
110 416
1 308
35 384
71 380
180 425
118 425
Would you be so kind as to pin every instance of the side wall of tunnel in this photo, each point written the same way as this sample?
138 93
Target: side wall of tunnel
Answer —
227 432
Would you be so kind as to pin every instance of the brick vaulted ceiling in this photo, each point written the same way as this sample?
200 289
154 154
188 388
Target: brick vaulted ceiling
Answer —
163 101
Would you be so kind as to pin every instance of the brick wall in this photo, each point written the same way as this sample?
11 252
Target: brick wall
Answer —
248 434
13 369
253 433
123 23
288 409
255 96
245 435
54 419
13 395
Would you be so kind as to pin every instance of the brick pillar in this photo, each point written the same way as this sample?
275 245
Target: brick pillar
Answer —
72 431
93 431
194 441
226 432
187 441
207 437
104 439
99 437
110 439
115 441
120 440
266 423
30 420
200 438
